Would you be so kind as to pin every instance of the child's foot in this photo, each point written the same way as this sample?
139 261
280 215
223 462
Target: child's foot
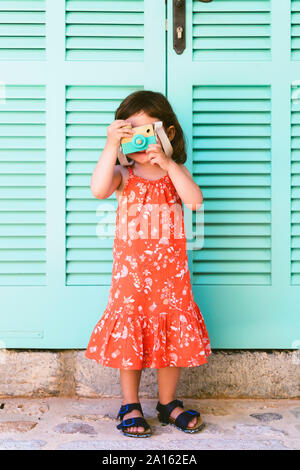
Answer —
177 412
134 414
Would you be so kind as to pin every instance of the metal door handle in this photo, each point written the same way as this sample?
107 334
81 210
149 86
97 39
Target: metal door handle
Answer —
179 42
179 26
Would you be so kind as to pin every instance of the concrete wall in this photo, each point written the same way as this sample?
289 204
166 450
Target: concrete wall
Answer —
228 374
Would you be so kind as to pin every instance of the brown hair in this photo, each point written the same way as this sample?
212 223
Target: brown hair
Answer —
154 104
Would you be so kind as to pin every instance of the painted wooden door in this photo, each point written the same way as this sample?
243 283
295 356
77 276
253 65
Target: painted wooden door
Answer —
65 67
239 111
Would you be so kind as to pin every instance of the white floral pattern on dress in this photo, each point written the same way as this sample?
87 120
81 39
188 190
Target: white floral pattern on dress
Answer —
151 318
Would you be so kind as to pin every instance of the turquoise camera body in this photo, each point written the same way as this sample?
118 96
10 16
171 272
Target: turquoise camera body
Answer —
143 136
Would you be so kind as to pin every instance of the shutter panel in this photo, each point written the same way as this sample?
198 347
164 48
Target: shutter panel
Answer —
232 30
295 29
105 30
22 30
295 190
295 153
232 166
242 132
23 186
53 129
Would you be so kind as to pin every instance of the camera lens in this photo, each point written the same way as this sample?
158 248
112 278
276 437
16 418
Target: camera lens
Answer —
139 141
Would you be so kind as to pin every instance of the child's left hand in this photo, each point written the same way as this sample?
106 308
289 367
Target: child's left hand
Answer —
158 156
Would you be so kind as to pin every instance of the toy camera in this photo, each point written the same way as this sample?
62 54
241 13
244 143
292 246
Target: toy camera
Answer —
144 136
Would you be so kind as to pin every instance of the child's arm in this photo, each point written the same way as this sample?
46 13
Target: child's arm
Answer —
189 192
107 176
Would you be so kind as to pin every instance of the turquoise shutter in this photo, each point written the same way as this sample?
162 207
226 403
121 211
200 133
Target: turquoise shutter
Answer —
105 30
23 186
65 67
295 147
22 30
242 127
64 73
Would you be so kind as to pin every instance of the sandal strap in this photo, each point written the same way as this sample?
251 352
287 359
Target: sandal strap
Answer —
166 410
128 408
138 421
185 417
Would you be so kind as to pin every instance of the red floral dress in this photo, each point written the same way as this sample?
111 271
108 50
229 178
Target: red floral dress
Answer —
151 318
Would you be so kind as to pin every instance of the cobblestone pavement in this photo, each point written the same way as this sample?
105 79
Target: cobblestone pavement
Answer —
86 423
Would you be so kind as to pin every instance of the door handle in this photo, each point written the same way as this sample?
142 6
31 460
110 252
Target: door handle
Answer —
179 26
179 42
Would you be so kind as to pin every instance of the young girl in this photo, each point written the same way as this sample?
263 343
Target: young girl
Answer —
151 319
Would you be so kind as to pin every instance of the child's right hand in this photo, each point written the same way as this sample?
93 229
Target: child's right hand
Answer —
118 129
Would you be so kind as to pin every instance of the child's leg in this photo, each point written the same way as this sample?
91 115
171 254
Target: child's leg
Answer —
167 379
130 382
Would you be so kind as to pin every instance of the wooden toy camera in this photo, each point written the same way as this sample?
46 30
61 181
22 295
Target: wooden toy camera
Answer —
144 136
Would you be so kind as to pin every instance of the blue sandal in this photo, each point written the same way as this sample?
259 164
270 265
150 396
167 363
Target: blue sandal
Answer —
182 420
138 421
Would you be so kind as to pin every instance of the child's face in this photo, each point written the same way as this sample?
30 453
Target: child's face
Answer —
136 120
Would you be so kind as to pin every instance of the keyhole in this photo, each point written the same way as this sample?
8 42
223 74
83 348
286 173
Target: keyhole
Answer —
179 30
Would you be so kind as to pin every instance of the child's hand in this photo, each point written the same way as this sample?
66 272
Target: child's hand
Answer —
118 129
157 156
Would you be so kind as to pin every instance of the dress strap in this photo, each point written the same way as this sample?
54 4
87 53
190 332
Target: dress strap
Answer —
129 176
130 171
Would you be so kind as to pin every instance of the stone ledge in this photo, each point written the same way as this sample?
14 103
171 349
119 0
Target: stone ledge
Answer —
228 374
